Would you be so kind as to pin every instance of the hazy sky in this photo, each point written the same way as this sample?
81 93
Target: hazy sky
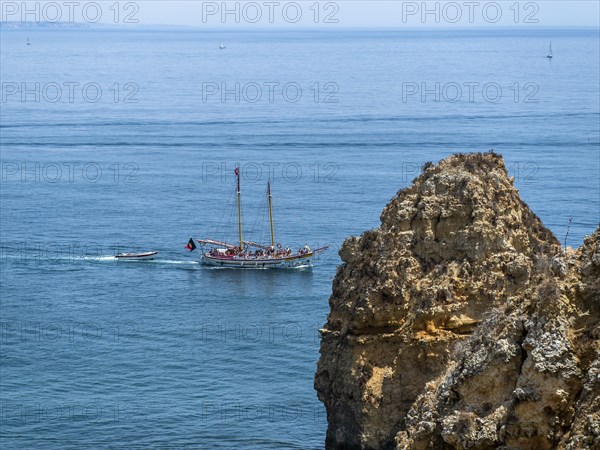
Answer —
297 14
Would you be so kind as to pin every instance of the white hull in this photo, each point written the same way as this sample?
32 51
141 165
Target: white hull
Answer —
135 256
247 263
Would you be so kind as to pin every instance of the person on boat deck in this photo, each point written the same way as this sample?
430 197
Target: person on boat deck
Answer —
306 248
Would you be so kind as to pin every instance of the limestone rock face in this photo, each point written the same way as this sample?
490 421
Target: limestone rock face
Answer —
461 323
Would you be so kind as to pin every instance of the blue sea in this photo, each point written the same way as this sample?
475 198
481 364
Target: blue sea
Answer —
126 140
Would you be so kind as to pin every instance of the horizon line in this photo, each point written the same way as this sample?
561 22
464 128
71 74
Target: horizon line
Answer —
66 25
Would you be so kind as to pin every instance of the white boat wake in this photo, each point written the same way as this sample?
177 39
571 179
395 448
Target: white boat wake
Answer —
35 258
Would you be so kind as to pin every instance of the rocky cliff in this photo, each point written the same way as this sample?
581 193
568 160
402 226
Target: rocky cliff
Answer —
461 323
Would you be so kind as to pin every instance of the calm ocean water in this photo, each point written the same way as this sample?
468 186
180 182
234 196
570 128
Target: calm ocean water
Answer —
129 141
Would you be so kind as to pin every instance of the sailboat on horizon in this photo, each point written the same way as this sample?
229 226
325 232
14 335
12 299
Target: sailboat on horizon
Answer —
28 43
549 56
222 46
252 255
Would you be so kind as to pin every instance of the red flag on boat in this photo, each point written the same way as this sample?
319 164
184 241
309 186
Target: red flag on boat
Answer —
190 245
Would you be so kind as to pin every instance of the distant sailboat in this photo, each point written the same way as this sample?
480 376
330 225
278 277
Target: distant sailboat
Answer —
549 56
28 43
222 46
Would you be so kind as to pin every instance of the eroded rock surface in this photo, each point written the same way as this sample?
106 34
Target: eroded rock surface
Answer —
461 323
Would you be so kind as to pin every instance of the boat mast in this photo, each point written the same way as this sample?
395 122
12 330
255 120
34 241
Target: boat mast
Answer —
239 205
271 213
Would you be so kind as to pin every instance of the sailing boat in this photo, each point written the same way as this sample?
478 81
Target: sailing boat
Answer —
241 255
28 43
222 46
549 56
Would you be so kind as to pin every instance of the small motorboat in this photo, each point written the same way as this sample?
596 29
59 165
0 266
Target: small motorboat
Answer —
135 256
